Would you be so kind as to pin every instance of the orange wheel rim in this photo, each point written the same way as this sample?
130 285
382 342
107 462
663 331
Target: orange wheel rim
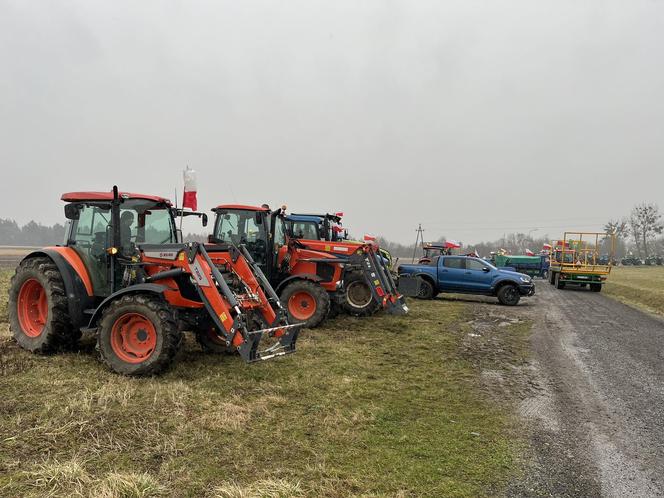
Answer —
133 338
32 308
302 305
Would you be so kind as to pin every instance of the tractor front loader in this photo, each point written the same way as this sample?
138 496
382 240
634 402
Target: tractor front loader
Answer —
123 274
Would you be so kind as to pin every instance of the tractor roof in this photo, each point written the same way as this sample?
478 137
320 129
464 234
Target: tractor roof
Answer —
304 217
108 196
241 206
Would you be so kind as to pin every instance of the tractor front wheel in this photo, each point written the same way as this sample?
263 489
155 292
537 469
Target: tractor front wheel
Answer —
138 335
358 300
38 311
211 342
306 302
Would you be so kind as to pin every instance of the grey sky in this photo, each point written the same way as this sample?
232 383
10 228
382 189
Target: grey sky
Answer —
474 118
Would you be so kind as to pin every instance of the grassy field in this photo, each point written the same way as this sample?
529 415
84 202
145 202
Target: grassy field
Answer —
388 406
641 286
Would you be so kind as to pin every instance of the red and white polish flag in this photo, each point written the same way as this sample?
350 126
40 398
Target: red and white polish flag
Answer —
452 244
189 199
529 252
369 238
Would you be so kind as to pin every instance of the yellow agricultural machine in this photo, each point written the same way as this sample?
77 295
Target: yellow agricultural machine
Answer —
580 258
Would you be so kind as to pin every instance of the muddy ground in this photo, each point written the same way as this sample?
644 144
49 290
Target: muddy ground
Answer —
590 397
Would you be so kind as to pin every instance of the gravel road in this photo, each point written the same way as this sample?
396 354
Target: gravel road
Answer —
597 404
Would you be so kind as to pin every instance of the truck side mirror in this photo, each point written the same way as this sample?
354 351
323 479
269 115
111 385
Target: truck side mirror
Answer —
71 211
486 269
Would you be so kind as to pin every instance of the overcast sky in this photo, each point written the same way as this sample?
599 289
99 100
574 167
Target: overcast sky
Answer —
473 118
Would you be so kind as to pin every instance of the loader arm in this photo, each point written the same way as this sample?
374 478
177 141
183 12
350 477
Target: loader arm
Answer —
229 311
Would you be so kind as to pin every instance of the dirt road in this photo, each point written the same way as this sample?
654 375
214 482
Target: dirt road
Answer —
597 404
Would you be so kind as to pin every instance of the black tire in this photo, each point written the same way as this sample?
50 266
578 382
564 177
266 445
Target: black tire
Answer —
596 287
210 341
552 277
357 297
164 335
40 278
560 284
318 303
426 290
509 295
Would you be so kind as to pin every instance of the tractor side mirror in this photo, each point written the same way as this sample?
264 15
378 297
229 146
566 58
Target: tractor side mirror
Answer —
258 218
72 211
204 219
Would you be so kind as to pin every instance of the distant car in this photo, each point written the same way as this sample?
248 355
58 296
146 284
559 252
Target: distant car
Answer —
468 275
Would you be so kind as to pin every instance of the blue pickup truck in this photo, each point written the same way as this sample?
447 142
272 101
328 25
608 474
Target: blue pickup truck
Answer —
468 275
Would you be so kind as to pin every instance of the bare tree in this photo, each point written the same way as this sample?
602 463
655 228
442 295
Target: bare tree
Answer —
645 223
621 230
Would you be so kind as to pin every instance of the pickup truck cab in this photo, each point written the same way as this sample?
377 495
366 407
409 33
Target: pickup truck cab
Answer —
469 275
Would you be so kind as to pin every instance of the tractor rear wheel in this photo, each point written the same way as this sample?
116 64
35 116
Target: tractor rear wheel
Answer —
358 300
305 302
509 295
138 335
38 310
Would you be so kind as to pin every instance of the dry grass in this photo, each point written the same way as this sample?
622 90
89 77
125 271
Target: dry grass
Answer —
387 406
641 286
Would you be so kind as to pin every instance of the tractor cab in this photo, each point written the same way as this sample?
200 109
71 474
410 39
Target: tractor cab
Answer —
316 227
104 230
260 230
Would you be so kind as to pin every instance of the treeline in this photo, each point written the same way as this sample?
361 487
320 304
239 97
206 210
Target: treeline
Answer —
30 234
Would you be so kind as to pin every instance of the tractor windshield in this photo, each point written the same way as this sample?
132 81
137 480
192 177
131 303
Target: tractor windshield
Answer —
243 226
145 222
305 230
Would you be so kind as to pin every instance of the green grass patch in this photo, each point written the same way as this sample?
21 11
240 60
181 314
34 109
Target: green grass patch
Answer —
641 286
387 406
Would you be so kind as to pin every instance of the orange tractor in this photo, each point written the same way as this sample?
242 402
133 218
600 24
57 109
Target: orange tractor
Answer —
310 277
123 274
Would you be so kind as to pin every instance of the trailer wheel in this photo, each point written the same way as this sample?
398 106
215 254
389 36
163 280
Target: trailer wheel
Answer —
560 284
138 335
38 311
426 290
358 299
596 287
552 277
305 302
509 295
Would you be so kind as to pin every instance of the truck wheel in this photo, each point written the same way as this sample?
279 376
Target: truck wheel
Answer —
305 302
509 295
426 290
560 284
211 343
38 311
596 287
138 335
358 300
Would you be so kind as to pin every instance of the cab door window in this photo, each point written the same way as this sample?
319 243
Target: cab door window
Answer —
89 237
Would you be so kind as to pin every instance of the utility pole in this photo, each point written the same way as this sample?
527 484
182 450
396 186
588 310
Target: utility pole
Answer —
418 238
